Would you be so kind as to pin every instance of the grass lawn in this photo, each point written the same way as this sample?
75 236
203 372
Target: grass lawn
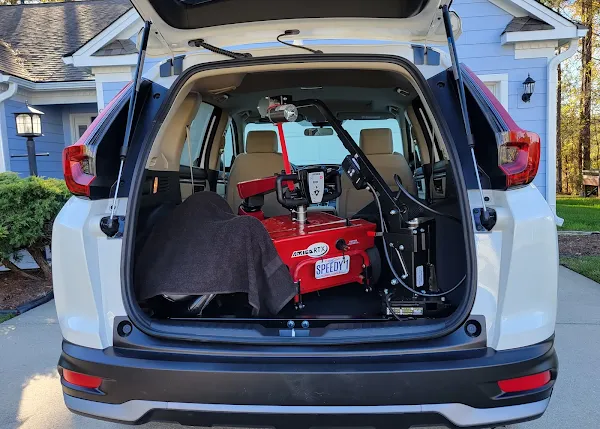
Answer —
580 214
588 266
5 317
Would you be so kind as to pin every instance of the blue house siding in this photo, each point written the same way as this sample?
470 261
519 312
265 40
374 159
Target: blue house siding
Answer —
479 48
51 142
57 134
111 89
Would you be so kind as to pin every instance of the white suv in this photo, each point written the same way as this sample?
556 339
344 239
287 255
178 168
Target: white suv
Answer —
337 233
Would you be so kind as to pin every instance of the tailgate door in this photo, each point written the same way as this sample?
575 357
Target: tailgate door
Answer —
176 23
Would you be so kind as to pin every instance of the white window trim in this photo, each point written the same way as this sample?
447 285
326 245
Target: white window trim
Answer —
500 79
109 74
77 119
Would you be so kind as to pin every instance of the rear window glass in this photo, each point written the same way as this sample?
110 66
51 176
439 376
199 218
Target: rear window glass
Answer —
197 131
190 14
307 150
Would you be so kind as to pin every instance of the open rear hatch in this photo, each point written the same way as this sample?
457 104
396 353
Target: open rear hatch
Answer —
178 24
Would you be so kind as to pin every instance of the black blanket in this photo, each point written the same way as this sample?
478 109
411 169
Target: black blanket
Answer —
203 248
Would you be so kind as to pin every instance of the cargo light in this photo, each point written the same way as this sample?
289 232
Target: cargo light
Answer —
522 384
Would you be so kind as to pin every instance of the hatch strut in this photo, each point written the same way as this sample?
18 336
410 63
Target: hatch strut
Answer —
137 81
456 69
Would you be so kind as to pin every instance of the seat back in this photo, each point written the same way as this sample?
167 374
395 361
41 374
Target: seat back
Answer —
377 144
260 160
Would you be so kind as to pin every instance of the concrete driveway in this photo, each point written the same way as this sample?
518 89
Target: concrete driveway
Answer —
30 392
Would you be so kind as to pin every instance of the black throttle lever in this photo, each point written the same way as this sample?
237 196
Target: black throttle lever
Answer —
300 195
289 203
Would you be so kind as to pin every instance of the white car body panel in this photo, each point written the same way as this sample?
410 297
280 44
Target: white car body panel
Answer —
86 273
517 271
517 262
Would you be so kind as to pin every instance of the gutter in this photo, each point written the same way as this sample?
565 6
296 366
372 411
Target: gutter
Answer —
12 88
49 86
551 126
4 153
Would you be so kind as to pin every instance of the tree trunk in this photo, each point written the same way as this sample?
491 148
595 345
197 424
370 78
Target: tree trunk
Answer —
583 155
558 134
8 264
38 256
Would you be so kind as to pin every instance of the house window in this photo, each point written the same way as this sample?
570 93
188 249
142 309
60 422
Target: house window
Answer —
79 124
498 85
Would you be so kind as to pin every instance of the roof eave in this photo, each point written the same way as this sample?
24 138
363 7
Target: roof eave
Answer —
48 86
565 33
81 57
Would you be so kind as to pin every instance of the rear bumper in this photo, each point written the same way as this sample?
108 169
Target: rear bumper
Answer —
457 389
396 416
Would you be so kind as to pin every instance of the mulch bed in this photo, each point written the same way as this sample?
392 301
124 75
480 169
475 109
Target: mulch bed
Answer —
16 290
579 245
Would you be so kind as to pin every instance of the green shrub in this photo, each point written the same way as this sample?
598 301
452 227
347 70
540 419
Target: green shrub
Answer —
27 209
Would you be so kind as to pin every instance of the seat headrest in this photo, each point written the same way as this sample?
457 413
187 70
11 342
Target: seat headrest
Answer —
261 142
376 141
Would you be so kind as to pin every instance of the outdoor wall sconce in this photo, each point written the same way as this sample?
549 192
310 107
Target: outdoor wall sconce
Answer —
29 125
528 87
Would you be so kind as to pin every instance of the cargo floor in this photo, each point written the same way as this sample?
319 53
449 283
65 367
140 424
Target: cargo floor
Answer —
347 301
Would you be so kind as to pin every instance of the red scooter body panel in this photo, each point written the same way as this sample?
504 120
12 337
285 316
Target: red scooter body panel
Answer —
301 246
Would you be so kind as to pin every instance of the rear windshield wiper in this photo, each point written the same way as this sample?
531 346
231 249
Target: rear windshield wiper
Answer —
200 43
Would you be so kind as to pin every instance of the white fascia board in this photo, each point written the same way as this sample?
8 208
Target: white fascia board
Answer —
565 33
112 71
536 49
63 97
51 86
104 37
520 8
116 60
40 93
510 7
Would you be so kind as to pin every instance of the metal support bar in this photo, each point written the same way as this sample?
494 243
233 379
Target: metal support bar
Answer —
31 157
137 81
456 70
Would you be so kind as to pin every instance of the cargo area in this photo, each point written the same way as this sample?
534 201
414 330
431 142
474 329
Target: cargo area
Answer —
316 195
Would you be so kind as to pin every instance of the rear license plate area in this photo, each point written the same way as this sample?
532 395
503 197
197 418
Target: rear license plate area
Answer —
331 267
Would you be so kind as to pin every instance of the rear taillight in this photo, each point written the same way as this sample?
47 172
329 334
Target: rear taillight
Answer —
78 159
522 384
518 150
81 380
76 168
518 156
